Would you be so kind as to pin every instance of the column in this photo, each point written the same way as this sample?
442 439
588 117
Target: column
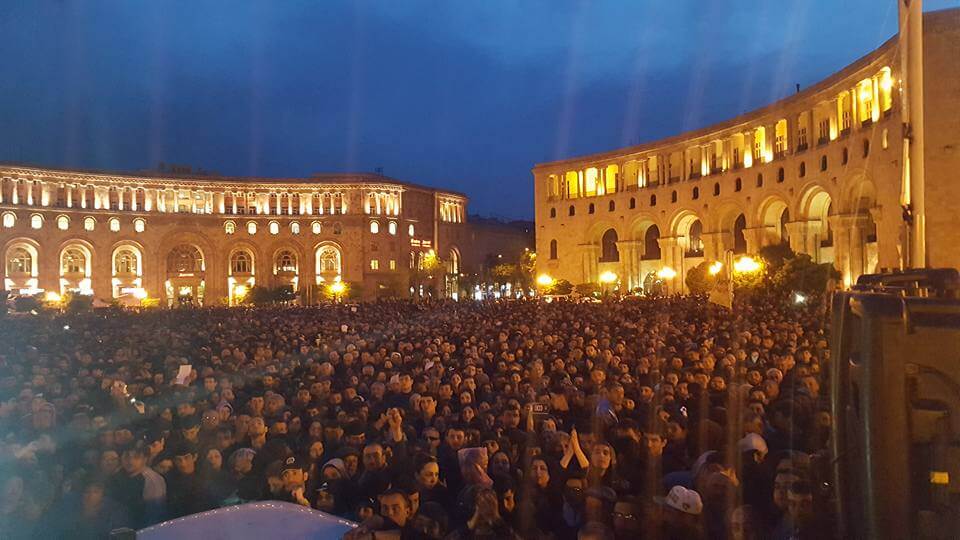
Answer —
590 258
630 263
671 254
754 237
69 189
715 244
804 237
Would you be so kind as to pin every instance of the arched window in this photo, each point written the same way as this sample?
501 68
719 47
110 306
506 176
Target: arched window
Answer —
328 260
716 189
19 262
651 243
673 196
780 175
36 221
653 200
760 180
592 208
823 160
608 247
392 228
803 169
866 147
241 262
274 227
739 239
73 261
738 184
89 224
696 193
294 228
184 259
410 230
573 210
553 250
139 225
553 212
316 227
286 261
695 239
229 227
9 220
337 228
125 262
251 227
374 227
633 203
114 224
63 223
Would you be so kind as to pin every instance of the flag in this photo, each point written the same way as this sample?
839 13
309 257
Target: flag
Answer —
721 294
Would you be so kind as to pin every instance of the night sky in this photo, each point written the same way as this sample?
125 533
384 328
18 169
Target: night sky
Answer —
465 95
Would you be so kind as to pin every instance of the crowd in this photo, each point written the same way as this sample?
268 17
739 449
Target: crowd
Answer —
641 418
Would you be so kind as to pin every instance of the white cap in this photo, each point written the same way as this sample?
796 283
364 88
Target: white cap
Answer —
752 441
683 500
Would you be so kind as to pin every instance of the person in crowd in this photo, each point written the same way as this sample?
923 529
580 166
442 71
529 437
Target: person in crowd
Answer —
641 417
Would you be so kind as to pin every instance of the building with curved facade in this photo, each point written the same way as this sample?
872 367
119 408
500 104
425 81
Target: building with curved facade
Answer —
820 170
207 240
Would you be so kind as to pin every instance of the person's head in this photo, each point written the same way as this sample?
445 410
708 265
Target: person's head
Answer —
655 442
93 494
242 460
627 518
395 506
781 485
539 472
745 523
800 501
601 456
293 474
456 438
185 459
510 418
753 447
374 458
214 459
429 474
432 436
109 462
595 530
573 490
134 460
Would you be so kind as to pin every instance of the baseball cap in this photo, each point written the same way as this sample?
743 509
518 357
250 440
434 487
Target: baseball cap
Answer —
752 442
291 463
683 500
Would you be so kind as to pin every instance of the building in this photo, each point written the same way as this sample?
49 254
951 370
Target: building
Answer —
820 170
208 239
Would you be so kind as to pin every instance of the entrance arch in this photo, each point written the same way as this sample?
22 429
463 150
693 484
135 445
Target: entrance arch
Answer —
186 269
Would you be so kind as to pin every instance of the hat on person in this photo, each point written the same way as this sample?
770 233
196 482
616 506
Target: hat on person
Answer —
683 500
752 442
291 463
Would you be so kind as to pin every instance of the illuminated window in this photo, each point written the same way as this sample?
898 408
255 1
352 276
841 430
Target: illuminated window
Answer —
392 227
36 221
315 227
374 264
73 261
393 264
125 262
374 227
241 263
294 228
63 223
19 262
274 227
883 139
139 225
89 224
286 261
114 224
229 227
9 220
251 227
410 230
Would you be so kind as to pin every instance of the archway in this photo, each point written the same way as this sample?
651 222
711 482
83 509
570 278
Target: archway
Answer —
241 276
127 271
21 263
329 263
608 246
76 264
773 216
186 270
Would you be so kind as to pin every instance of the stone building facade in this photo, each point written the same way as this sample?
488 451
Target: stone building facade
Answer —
820 170
206 240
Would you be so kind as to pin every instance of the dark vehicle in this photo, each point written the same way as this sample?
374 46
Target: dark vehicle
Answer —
895 393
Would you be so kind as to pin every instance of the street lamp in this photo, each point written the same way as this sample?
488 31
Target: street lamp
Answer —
666 273
715 268
336 289
544 280
52 297
608 277
746 265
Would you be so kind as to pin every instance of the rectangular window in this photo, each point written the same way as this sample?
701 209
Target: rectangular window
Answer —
393 264
802 139
374 264
824 131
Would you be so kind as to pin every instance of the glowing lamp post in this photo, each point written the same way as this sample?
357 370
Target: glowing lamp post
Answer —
608 278
545 281
746 265
337 289
52 297
715 268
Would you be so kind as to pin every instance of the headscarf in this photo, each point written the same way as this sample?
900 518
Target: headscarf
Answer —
472 466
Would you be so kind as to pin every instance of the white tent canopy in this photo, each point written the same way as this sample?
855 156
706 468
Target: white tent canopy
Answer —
266 519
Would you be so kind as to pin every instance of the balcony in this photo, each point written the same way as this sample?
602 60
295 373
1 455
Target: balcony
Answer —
867 122
845 132
823 140
802 147
695 175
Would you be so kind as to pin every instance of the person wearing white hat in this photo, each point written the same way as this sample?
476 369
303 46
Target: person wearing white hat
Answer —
681 514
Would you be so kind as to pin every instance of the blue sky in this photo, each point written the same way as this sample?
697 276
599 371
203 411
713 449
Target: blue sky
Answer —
467 95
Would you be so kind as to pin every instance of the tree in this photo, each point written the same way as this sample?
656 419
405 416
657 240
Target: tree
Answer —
776 255
801 274
259 296
699 279
587 289
25 304
76 303
560 287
